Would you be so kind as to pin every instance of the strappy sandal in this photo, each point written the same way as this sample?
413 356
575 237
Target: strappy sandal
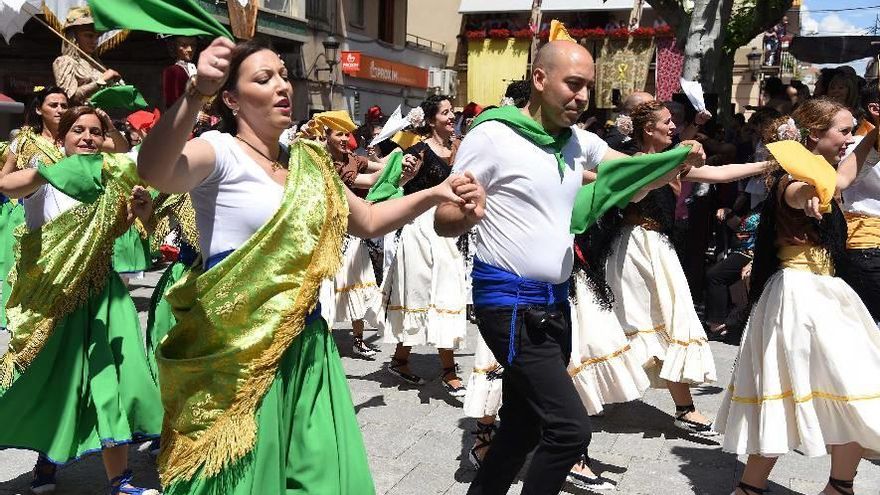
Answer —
702 429
749 489
484 435
843 487
457 392
583 481
121 485
394 368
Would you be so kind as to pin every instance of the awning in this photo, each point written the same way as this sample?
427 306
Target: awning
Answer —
833 49
8 105
584 5
486 6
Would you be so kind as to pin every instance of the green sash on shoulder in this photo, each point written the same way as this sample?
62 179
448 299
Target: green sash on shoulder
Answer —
618 181
236 320
59 265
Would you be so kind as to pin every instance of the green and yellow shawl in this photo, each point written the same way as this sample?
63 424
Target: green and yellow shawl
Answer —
236 320
60 264
28 145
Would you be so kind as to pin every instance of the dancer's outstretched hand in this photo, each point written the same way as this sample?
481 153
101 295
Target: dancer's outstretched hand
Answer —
697 156
213 67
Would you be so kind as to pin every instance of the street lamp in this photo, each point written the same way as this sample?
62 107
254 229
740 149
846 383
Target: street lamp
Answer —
754 58
331 51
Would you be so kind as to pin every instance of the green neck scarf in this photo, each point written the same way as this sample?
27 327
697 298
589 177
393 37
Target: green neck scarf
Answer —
528 128
236 320
618 181
60 264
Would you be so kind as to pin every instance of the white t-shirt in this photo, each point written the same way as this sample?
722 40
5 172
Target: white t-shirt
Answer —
235 200
863 196
528 209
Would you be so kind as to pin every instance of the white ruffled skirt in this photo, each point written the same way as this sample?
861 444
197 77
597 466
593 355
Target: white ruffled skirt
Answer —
808 371
424 294
354 287
484 385
654 306
603 364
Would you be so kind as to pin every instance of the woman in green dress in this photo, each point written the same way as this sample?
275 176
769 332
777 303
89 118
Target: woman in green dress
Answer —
75 378
37 142
255 397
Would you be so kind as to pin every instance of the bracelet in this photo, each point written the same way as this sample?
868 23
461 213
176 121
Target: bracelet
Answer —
193 90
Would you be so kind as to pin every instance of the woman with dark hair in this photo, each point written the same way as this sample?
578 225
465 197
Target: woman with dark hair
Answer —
256 400
75 379
805 377
424 292
632 264
37 142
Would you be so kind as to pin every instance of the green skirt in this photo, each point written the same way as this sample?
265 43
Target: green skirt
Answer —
131 253
160 319
308 438
11 216
89 387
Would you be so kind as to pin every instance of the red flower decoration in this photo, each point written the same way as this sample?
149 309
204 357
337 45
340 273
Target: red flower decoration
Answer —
576 33
497 34
664 31
642 32
544 35
479 34
523 33
594 33
619 33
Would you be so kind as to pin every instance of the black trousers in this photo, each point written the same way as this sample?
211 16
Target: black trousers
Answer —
540 406
719 278
863 275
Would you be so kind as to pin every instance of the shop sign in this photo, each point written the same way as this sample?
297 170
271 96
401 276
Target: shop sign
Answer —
351 62
381 70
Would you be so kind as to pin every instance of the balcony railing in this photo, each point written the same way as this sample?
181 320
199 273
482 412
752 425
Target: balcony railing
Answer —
425 44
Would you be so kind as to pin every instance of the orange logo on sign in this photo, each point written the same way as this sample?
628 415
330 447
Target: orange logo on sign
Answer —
378 69
351 62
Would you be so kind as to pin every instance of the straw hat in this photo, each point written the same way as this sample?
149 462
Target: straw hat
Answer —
78 16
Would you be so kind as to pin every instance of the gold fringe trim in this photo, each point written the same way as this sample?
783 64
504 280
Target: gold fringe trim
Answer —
661 329
601 359
487 369
349 288
425 310
233 435
93 280
789 394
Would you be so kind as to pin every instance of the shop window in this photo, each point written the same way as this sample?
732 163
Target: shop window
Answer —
356 13
386 21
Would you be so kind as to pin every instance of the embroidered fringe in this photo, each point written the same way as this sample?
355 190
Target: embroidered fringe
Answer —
93 279
233 435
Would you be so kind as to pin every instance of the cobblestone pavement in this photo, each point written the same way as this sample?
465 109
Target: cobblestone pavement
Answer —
417 438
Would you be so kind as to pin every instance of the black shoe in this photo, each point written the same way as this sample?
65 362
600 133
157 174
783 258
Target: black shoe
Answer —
362 349
394 368
701 429
484 435
585 482
457 392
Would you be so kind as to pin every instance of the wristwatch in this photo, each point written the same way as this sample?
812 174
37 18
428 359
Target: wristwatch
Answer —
193 90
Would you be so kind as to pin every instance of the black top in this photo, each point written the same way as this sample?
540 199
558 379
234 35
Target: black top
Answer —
434 170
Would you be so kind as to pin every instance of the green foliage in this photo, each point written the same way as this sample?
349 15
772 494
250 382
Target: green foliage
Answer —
749 18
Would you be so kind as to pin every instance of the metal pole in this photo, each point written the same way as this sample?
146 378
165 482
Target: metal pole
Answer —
536 21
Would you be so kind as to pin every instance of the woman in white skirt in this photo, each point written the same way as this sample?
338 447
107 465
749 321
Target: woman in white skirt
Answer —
806 374
653 302
424 294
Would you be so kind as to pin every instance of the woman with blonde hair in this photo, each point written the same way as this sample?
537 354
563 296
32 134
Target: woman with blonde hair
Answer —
806 374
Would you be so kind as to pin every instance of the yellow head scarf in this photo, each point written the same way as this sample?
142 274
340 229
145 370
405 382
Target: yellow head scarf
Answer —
558 32
338 120
405 139
807 167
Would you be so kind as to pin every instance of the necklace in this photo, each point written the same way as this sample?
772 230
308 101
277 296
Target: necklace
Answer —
447 144
276 165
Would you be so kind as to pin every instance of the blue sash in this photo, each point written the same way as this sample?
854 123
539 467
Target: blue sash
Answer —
217 258
493 286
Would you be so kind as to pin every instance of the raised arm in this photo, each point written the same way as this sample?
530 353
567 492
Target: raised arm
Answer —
725 173
368 220
21 183
166 160
849 167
